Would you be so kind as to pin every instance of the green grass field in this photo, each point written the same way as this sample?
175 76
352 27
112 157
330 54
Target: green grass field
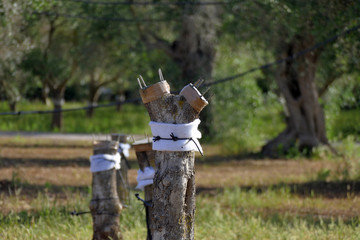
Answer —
131 119
238 198
231 214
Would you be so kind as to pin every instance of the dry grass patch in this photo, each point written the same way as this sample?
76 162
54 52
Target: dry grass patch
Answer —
259 172
45 153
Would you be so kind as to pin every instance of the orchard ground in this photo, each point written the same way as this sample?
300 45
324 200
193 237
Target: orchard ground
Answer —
239 197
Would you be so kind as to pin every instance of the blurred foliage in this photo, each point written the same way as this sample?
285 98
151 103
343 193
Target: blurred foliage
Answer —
249 110
132 119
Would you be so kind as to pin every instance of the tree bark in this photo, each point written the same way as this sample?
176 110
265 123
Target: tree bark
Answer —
105 206
305 117
194 50
174 182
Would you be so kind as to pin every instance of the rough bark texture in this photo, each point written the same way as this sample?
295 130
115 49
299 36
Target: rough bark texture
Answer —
174 186
194 50
305 117
105 206
147 159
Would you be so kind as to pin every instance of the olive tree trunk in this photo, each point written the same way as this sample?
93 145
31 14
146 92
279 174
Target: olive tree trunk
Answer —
173 199
58 102
194 49
305 118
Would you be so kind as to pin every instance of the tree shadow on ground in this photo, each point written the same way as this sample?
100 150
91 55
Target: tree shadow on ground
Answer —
10 187
216 159
327 189
34 162
334 189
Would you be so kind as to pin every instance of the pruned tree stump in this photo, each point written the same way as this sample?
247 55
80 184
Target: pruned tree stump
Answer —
173 202
105 206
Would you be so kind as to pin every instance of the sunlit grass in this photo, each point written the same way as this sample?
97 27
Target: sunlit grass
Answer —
132 119
229 214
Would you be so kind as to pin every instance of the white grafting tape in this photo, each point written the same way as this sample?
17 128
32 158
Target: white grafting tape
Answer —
124 148
176 137
103 162
145 177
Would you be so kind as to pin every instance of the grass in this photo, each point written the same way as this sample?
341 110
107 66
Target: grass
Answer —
346 124
250 199
131 119
230 214
240 198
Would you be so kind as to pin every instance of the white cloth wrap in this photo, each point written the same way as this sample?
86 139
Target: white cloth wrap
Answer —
103 162
145 177
187 130
124 148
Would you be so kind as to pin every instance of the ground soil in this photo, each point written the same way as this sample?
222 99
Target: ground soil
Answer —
27 169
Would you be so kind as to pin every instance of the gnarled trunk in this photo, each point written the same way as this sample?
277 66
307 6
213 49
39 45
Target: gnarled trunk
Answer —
305 117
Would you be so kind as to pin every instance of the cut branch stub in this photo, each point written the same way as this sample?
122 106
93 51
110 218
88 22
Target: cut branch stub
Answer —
173 209
194 97
154 92
144 147
105 206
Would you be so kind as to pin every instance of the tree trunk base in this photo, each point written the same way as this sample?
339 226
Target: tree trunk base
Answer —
279 145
